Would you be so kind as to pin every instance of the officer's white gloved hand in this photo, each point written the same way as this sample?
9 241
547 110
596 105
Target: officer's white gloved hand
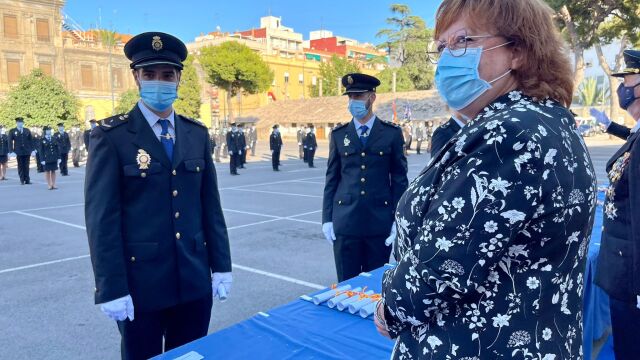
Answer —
42 162
33 153
601 117
12 154
59 161
230 152
392 235
299 144
221 285
329 234
119 309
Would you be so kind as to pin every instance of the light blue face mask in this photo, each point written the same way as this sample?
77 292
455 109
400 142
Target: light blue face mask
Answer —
458 80
20 126
358 108
158 95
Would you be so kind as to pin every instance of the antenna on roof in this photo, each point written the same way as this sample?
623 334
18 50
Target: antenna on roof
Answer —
73 27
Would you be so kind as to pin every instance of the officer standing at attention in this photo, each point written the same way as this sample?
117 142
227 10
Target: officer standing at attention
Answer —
157 234
77 146
300 134
234 149
21 146
243 145
87 134
50 156
62 137
275 144
419 137
618 269
310 145
4 152
366 176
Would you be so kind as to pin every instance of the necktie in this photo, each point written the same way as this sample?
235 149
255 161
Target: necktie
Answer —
165 138
363 134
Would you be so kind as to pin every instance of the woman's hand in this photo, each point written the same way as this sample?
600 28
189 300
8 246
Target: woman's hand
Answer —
381 324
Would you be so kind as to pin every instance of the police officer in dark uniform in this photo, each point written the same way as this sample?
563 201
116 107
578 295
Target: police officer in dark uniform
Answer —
21 145
63 139
212 139
419 138
235 149
77 145
157 234
275 144
618 269
49 149
87 134
310 144
243 145
37 134
366 176
4 152
443 134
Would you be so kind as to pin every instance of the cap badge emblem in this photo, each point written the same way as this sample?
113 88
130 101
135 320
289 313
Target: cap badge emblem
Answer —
156 43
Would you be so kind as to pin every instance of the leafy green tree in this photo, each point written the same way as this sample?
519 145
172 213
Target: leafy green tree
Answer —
39 99
403 80
331 72
189 101
235 68
127 100
407 42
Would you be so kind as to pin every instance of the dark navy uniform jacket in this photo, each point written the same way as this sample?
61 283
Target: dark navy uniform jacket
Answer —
49 150
158 232
275 142
20 143
618 130
4 145
310 141
364 183
233 142
63 141
442 135
618 270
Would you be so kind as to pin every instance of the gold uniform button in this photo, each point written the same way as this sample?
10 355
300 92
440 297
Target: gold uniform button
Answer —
197 168
177 215
143 175
175 193
363 154
363 167
381 153
174 173
362 180
620 253
386 203
205 243
339 202
362 192
178 236
133 259
346 154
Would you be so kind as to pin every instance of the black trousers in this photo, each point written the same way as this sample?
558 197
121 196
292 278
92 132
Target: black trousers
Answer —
356 254
178 325
275 159
625 321
64 157
305 154
243 157
23 167
39 167
234 163
310 155
418 146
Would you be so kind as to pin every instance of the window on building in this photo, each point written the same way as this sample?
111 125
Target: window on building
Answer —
13 71
286 77
314 80
301 79
42 29
118 80
294 125
46 68
86 76
10 26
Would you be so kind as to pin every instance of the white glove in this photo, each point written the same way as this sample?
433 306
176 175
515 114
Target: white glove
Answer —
42 162
329 234
12 154
638 300
299 144
82 147
247 148
221 285
601 117
118 309
240 152
230 152
59 161
33 153
392 235
310 149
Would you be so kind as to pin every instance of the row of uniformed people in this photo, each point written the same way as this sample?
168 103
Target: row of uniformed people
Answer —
220 146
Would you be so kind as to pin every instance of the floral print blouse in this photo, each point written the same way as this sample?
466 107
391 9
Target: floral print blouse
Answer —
492 240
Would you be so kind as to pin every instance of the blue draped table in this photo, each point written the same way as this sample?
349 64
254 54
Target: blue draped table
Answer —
302 330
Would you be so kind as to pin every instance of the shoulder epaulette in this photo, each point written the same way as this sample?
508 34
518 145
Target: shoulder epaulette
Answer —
114 121
341 126
389 123
197 122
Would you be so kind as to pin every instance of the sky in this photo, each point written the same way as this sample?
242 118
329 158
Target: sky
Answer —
186 19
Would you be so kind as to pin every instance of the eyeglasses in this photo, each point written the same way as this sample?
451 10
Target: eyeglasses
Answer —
456 45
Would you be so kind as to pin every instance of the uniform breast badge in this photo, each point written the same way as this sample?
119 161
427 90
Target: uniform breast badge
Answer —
143 159
618 167
346 141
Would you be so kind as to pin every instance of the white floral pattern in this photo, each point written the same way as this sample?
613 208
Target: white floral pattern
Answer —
489 240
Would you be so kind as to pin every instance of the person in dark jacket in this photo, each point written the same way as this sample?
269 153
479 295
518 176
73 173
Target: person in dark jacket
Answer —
310 144
235 149
275 144
243 145
87 134
4 152
443 133
21 146
50 156
618 269
157 235
366 175
77 145
64 141
613 128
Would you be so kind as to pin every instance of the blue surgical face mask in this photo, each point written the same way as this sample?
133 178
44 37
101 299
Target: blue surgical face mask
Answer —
61 129
358 108
20 125
47 133
626 95
158 95
93 125
458 79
